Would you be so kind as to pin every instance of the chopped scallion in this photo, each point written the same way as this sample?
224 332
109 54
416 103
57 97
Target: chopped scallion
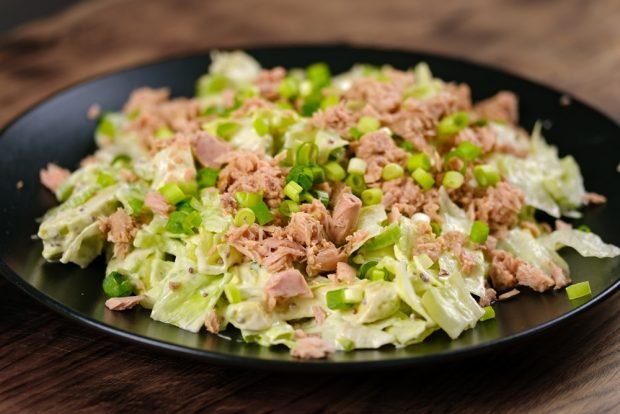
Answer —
318 174
356 183
407 146
366 267
334 172
207 177
392 171
288 87
489 313
378 274
386 238
423 178
319 74
245 216
419 160
116 285
486 175
261 125
346 344
355 133
288 207
172 193
292 190
106 127
227 130
323 197
451 125
247 199
262 213
306 196
301 175
356 166
584 228
121 159
163 133
307 153
104 179
353 295
578 290
479 232
465 151
330 100
136 206
336 301
372 196
453 179
367 124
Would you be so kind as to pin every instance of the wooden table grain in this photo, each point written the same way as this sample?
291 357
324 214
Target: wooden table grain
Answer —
50 364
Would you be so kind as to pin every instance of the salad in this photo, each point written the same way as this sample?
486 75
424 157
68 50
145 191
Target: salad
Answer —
323 213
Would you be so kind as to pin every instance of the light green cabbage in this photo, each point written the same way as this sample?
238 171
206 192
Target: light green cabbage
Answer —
187 298
586 244
522 244
72 234
452 307
549 183
452 216
237 66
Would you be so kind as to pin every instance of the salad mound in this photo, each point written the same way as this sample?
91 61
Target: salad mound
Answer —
319 212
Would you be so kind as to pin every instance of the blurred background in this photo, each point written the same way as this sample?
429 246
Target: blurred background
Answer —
46 45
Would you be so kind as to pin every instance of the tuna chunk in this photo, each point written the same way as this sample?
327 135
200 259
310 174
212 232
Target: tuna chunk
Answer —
53 176
268 81
405 196
345 273
274 251
402 194
378 149
319 314
503 270
207 149
454 98
560 278
483 137
594 198
489 297
212 323
344 217
119 304
121 230
286 284
382 97
157 203
531 276
153 111
500 207
507 271
145 97
317 210
501 107
252 172
338 118
250 105
414 123
305 229
323 257
311 347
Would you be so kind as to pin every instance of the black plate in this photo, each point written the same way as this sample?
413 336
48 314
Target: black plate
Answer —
58 130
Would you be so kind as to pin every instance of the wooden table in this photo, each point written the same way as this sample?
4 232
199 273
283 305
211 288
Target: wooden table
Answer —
49 364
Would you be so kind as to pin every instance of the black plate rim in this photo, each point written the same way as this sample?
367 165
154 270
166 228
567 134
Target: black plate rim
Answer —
311 365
